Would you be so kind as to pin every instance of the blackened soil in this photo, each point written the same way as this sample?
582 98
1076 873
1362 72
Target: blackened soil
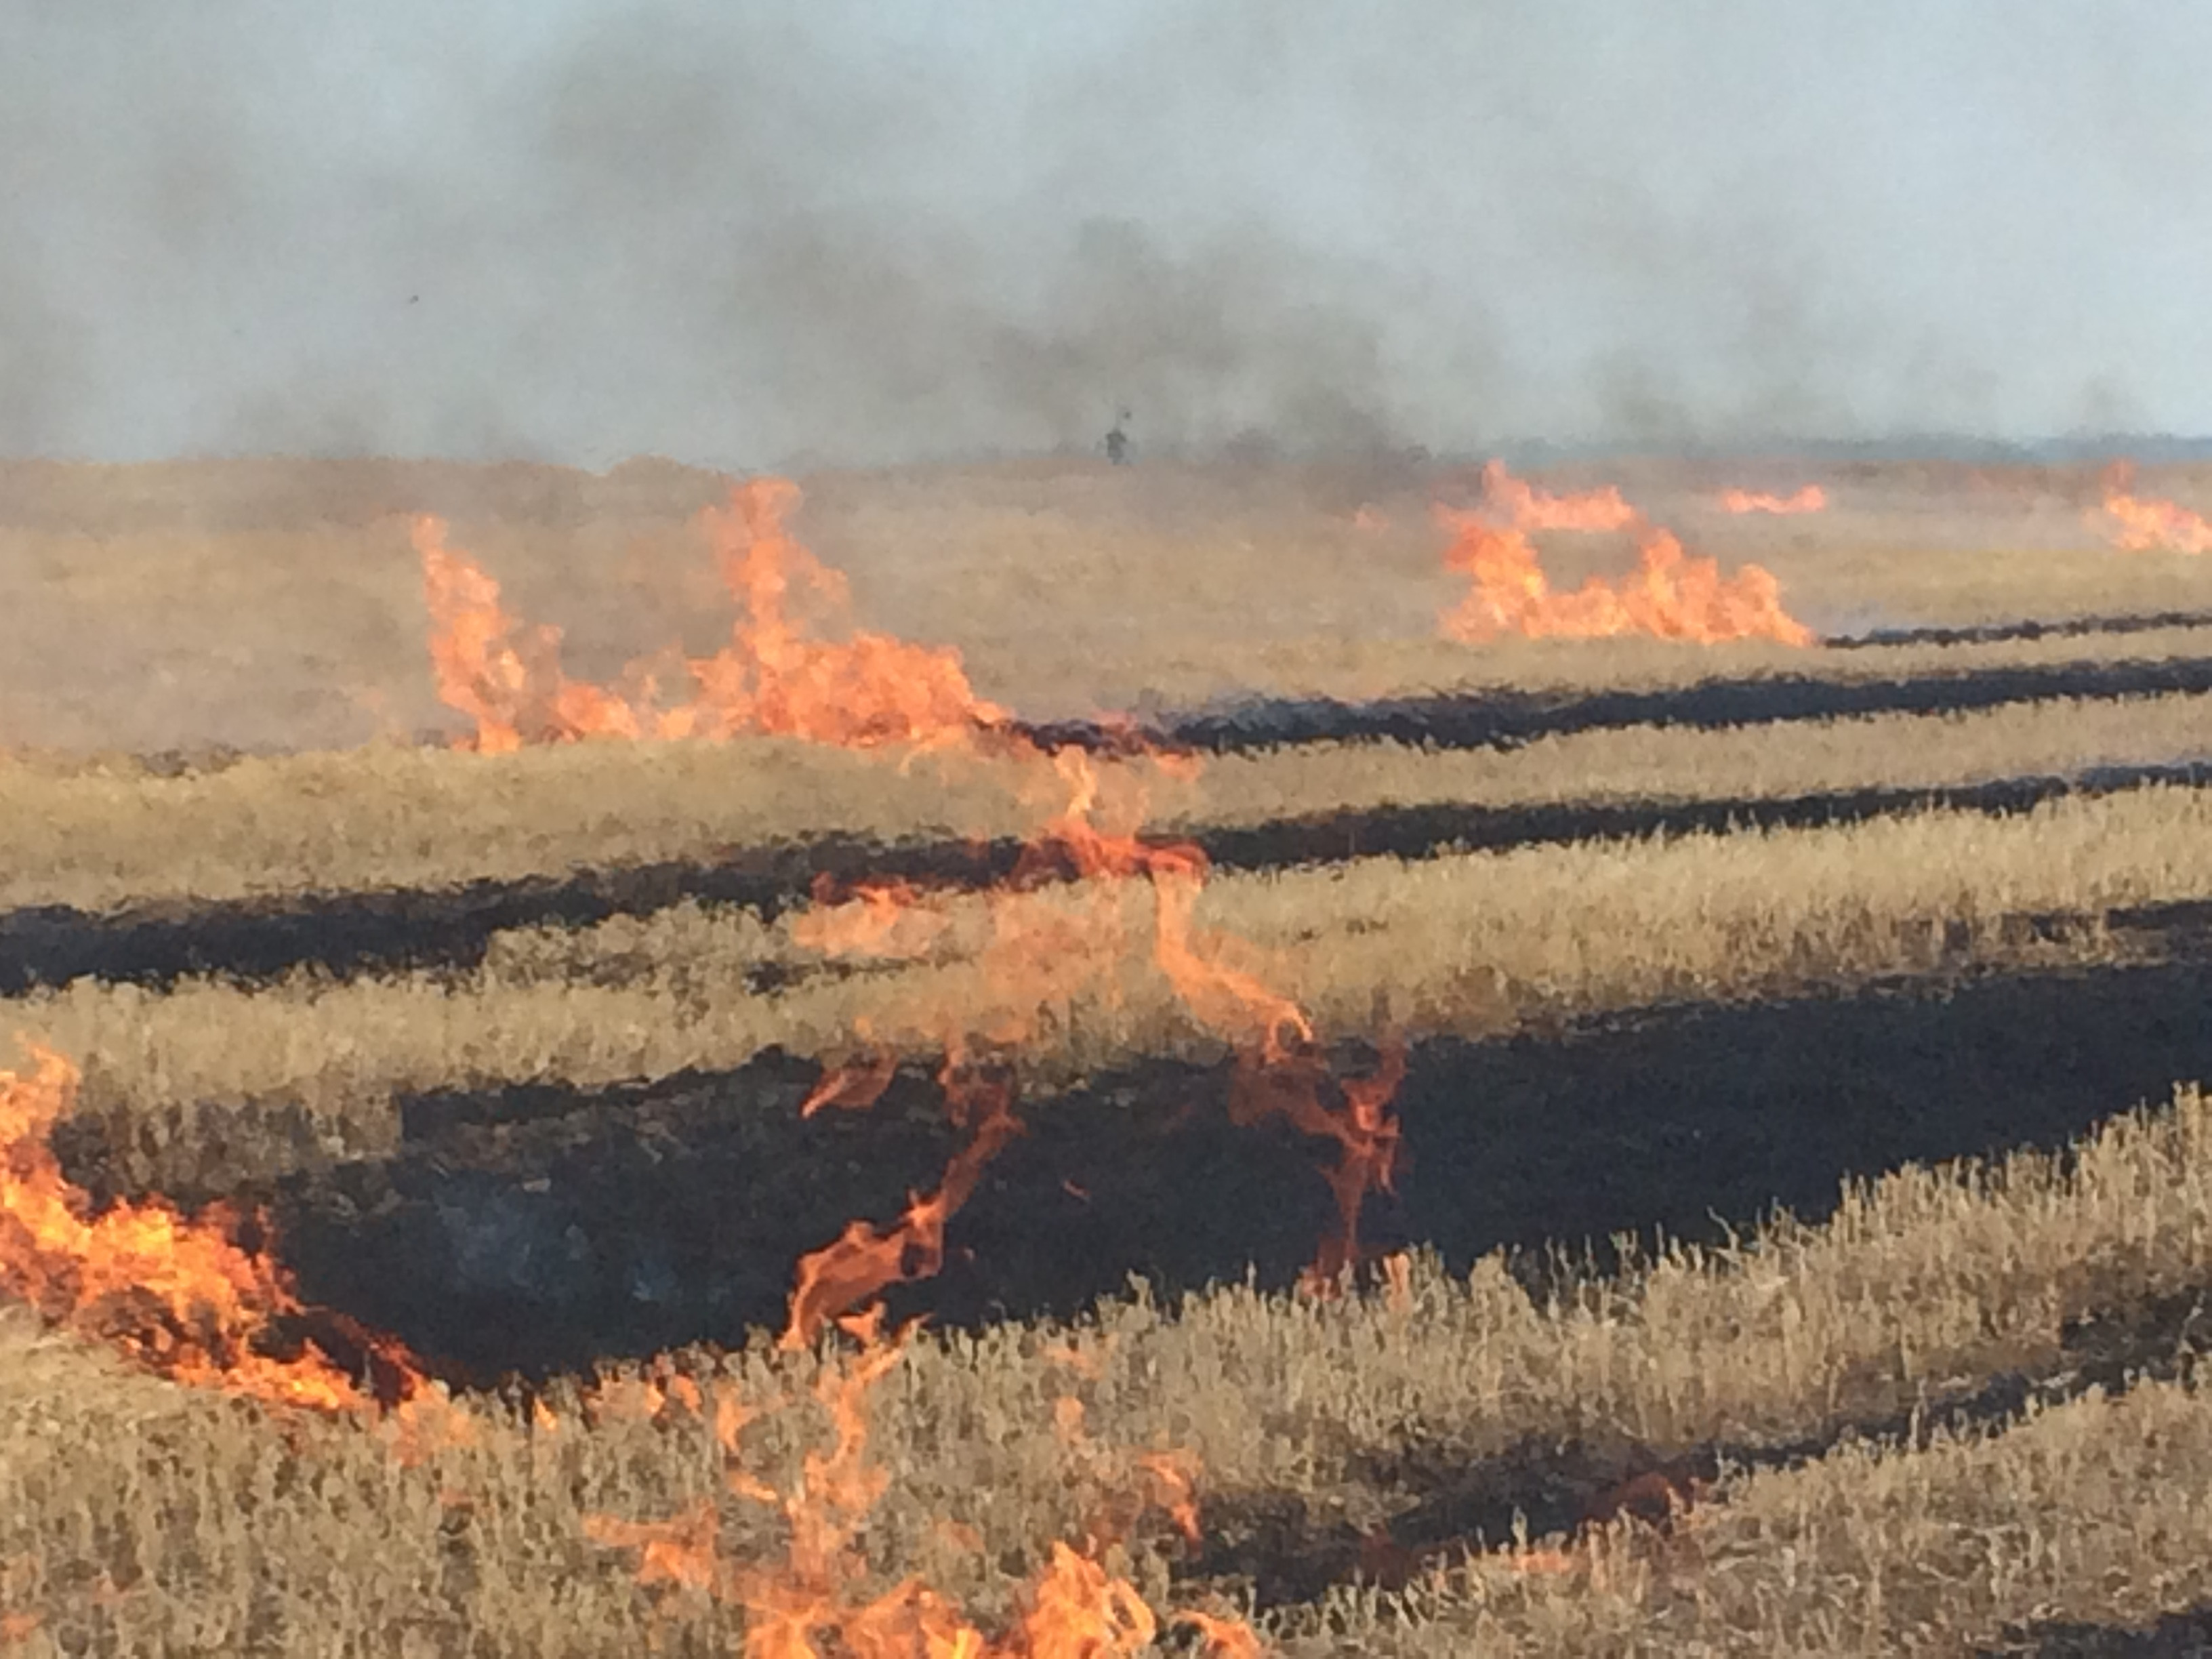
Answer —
543 1230
449 928
2184 1635
2027 628
1504 718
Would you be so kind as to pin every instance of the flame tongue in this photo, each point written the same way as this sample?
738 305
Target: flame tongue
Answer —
1531 508
864 1260
1671 595
870 690
180 1297
2148 523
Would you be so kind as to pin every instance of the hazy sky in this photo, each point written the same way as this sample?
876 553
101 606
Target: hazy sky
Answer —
752 235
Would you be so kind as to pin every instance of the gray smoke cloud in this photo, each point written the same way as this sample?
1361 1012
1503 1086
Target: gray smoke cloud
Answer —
840 232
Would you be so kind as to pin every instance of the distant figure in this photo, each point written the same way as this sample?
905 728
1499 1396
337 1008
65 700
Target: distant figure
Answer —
1118 440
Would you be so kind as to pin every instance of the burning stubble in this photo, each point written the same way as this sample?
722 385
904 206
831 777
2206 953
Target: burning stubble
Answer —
774 678
1671 595
2138 524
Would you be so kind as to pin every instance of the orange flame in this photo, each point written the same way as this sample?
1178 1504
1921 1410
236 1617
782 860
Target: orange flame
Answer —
1123 1489
480 668
1277 1071
1531 508
811 1603
1671 595
1811 499
1365 1133
863 1261
772 678
854 1087
870 690
2149 524
180 1297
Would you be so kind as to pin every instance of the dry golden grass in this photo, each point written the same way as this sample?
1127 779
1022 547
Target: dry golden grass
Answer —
278 604
1661 764
2091 1514
387 817
1480 945
1360 670
98 836
137 1517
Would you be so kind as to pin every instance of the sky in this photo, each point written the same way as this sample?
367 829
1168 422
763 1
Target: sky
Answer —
809 232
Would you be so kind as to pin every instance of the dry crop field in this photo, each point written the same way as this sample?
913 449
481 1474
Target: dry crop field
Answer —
1052 1060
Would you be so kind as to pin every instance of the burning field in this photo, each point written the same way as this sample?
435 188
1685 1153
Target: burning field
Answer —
1068 1061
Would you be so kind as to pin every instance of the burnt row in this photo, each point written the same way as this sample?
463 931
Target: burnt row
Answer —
1505 718
548 1231
2027 628
449 928
542 1236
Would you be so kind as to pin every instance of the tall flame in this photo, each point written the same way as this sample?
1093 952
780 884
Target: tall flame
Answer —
1810 499
2148 523
1278 1069
181 1296
773 678
1670 595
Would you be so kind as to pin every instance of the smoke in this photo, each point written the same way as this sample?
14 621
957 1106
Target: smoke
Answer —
844 231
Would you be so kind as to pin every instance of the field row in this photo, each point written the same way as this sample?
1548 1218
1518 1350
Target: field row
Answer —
103 838
1394 1428
211 1080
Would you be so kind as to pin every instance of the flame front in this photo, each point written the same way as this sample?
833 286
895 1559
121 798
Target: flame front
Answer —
2139 524
772 679
180 1297
1670 595
1810 499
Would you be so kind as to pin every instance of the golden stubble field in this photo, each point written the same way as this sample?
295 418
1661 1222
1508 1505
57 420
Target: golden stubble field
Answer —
279 604
1398 1143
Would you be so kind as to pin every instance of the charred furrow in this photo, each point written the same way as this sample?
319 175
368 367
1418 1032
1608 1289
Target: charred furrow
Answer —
552 1228
396 929
1507 719
2027 628
449 928
2186 1634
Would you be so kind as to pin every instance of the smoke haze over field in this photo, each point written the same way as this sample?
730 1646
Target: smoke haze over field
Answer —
875 232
